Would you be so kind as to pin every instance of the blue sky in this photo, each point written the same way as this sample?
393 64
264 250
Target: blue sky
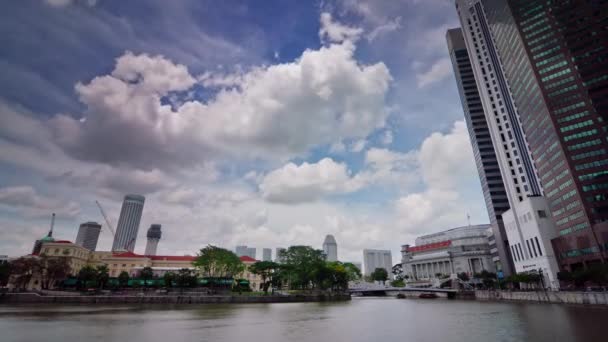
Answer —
264 123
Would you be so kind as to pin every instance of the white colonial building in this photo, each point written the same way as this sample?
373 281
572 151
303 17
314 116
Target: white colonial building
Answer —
457 250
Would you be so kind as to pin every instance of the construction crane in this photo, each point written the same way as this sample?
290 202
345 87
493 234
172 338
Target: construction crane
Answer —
105 217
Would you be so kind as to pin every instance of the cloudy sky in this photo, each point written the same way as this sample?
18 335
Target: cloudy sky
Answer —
265 123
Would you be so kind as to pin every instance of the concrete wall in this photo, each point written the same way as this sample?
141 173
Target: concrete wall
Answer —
558 297
26 298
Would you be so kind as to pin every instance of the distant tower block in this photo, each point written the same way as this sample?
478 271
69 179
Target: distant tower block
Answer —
88 235
154 235
128 223
330 247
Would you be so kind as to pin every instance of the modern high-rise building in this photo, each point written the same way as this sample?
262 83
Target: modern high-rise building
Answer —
554 60
88 235
128 223
528 221
251 252
277 254
375 258
330 248
245 251
492 185
154 234
266 254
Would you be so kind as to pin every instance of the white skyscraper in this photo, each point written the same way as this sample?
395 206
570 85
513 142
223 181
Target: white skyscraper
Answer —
128 223
375 258
154 234
266 254
528 222
245 251
330 247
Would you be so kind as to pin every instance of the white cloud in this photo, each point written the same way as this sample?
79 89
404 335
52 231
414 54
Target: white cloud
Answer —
334 32
275 111
387 138
358 146
385 28
308 182
436 73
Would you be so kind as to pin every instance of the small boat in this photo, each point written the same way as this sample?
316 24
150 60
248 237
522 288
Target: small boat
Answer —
428 296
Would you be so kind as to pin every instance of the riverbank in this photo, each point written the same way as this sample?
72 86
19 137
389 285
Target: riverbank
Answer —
554 297
35 298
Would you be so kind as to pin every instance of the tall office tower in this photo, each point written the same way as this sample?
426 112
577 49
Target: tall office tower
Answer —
241 251
375 258
277 254
154 234
528 222
266 254
251 252
487 165
330 247
128 223
88 235
558 71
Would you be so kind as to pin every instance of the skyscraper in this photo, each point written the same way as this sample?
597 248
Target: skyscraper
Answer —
241 251
154 234
251 252
375 258
554 57
492 185
330 248
128 223
266 254
528 221
88 235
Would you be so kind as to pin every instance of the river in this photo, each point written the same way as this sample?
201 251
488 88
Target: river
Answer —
362 319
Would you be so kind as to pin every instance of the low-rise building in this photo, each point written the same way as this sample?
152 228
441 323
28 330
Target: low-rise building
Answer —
463 249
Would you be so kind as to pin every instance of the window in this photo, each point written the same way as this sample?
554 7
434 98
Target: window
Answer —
538 245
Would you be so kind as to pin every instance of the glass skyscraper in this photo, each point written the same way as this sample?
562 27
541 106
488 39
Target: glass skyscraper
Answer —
128 223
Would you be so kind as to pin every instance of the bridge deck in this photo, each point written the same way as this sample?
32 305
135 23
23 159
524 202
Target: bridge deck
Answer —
404 289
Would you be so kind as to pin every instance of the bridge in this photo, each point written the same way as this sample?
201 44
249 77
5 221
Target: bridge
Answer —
411 291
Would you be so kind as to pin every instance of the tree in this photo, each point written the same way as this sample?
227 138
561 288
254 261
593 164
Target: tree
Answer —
303 267
87 275
123 279
397 271
54 269
398 283
146 274
216 262
103 276
23 269
380 274
267 270
463 276
5 272
169 278
353 272
185 278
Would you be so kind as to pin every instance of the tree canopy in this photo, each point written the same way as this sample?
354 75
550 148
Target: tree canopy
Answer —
218 262
380 274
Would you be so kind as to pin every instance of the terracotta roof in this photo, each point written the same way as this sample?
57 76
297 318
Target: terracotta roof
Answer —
430 246
245 258
63 241
127 255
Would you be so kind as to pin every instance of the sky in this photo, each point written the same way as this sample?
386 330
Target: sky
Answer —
260 123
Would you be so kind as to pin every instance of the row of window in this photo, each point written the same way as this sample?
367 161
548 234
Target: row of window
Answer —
589 154
589 165
534 250
581 135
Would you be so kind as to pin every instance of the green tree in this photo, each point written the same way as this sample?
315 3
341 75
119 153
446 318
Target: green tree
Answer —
185 278
146 274
353 272
23 269
54 269
103 276
398 283
123 279
463 276
380 274
169 278
397 271
335 276
266 270
302 267
87 275
216 262
5 272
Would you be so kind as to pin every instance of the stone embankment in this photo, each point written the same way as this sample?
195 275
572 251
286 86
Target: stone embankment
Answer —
35 298
556 297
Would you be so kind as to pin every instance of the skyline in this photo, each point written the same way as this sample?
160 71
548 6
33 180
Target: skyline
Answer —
393 157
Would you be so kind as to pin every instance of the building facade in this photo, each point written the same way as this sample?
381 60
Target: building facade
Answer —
488 169
518 170
88 235
377 258
128 223
457 250
153 235
330 248
266 254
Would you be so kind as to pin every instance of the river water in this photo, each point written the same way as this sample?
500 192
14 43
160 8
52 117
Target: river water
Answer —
362 319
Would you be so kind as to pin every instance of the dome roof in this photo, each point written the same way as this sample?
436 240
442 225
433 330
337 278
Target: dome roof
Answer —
329 239
47 239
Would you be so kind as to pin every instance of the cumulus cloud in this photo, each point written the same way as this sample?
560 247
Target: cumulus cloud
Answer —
308 182
26 201
436 73
272 111
334 32
358 146
387 138
390 26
